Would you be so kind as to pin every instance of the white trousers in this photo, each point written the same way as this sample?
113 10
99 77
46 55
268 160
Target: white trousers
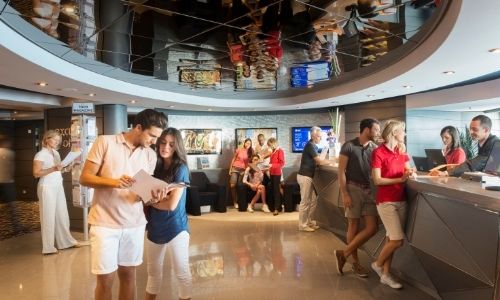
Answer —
308 200
54 219
178 248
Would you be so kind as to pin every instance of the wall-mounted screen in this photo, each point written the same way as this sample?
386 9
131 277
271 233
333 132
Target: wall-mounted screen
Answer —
301 135
307 74
202 141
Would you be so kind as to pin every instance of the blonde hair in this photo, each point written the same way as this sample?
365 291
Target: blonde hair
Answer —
271 141
49 134
391 126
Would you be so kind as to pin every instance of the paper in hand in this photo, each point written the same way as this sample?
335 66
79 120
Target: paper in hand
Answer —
70 157
145 183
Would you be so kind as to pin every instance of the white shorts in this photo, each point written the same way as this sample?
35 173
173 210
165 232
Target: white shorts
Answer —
113 247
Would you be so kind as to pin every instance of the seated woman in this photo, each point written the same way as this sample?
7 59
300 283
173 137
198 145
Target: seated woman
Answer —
452 152
253 179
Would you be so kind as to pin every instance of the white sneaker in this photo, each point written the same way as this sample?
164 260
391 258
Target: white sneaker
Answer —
377 269
387 279
236 205
313 225
265 208
306 229
250 209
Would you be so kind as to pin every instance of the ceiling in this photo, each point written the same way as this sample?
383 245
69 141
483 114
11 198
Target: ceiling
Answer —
28 56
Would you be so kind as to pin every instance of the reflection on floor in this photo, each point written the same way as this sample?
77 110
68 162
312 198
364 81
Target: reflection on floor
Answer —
230 260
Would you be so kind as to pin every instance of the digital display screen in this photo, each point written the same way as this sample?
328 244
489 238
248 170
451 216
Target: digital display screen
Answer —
302 135
307 74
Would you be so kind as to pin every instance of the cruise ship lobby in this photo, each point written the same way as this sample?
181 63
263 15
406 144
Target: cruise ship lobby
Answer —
267 80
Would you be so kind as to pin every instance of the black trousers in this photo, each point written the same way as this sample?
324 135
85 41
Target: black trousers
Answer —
275 186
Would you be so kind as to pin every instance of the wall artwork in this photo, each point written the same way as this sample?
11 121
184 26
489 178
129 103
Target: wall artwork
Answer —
202 141
252 133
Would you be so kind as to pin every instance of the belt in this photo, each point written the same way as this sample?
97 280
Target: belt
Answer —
361 185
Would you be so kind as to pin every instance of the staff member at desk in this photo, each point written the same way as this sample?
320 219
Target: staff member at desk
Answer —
480 131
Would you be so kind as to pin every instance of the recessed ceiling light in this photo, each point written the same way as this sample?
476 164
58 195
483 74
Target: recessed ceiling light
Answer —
133 101
209 109
370 96
42 84
15 112
171 106
91 94
495 50
449 72
334 102
407 86
68 90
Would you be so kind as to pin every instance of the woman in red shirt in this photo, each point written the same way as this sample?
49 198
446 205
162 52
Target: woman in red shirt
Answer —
452 151
390 170
238 166
276 163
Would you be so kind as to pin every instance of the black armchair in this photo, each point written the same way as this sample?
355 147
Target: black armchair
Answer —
202 192
291 193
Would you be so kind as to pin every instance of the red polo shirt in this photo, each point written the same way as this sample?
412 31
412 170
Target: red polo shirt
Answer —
391 165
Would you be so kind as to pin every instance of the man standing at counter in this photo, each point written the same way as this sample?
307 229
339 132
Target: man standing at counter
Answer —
480 131
355 187
308 201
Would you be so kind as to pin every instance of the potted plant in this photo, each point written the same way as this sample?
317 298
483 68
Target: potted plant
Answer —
467 143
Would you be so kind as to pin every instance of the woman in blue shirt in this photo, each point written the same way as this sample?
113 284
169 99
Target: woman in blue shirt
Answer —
167 220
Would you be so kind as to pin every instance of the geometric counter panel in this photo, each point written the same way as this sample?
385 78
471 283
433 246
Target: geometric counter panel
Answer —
456 243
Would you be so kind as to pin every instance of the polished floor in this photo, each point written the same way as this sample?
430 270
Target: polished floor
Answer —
231 258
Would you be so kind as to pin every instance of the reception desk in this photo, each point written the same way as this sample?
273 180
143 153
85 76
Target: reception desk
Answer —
452 248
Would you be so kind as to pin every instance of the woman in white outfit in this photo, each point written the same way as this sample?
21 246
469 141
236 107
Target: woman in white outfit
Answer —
54 217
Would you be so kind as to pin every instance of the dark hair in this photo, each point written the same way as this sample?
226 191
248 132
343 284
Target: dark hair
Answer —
367 123
455 139
260 135
249 150
178 158
149 118
252 171
484 121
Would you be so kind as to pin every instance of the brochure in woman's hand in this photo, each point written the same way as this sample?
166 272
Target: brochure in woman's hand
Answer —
145 183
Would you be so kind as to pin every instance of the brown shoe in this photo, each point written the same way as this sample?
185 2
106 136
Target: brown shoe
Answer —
359 270
340 260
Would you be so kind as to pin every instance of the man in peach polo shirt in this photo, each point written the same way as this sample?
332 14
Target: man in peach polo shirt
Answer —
116 215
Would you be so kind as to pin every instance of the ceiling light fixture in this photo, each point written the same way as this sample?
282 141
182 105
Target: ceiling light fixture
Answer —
407 86
171 106
209 109
494 50
91 94
133 101
42 84
449 72
370 96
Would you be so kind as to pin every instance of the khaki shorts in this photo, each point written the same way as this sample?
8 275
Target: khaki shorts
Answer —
393 215
363 203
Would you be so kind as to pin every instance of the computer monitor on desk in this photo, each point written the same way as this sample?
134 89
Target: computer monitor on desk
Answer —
434 157
493 164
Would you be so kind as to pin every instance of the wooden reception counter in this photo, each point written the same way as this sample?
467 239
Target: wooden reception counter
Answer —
452 248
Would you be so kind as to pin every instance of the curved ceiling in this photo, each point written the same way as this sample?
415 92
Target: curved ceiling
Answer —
23 63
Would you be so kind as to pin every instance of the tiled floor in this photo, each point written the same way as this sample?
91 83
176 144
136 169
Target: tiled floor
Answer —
230 259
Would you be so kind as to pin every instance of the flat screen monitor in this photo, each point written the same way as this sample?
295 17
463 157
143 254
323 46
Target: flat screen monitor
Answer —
434 157
308 73
302 135
493 163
